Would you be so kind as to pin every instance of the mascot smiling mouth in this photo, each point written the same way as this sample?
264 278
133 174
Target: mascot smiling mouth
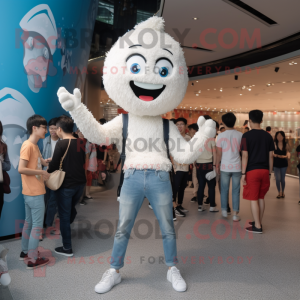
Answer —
146 91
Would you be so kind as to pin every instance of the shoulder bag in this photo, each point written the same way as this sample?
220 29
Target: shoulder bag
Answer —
57 177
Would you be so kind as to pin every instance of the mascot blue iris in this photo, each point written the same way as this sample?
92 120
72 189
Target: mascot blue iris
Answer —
145 73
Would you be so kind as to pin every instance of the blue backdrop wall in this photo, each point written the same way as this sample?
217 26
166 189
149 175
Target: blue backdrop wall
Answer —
44 45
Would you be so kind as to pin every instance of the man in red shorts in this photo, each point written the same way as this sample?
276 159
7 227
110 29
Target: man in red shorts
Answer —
257 163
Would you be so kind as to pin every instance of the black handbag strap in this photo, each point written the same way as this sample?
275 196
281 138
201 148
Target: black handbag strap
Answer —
123 155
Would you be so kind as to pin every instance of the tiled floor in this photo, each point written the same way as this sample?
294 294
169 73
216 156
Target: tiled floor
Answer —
221 263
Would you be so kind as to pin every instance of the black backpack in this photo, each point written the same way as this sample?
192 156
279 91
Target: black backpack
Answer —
123 155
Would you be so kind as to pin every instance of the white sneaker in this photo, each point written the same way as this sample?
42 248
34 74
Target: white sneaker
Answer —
178 283
224 213
236 218
201 208
108 280
213 209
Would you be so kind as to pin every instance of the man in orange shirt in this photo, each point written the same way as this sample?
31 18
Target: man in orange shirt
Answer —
33 176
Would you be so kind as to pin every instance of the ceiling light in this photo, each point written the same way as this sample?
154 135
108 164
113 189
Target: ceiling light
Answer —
214 108
283 82
249 89
292 81
214 89
196 80
208 89
197 94
195 107
241 94
195 18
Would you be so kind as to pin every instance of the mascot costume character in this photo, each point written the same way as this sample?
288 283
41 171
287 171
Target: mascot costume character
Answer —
145 73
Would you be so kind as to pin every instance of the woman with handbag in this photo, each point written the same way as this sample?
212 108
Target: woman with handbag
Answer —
68 178
4 166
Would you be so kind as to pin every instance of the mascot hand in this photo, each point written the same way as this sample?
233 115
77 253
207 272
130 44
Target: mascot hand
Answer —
69 101
207 127
200 122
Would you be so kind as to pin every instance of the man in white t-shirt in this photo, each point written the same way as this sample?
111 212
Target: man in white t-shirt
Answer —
228 153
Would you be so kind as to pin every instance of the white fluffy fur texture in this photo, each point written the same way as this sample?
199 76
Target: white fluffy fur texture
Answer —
146 148
117 85
145 142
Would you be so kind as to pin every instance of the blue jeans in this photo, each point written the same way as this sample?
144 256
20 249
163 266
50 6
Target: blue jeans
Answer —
156 187
66 201
280 178
51 207
33 226
225 182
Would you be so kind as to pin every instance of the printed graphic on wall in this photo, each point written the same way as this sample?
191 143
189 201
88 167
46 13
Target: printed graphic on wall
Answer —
43 48
39 42
14 112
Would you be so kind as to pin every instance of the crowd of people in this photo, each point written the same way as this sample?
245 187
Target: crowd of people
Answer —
246 159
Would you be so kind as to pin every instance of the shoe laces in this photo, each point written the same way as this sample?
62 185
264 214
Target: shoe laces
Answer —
106 276
176 275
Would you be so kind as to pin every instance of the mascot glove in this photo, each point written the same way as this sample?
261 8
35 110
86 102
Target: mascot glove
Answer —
69 101
211 175
207 127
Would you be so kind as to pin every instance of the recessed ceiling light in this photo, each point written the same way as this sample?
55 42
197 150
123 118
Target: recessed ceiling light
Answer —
241 94
196 80
292 81
195 18
197 94
283 81
249 89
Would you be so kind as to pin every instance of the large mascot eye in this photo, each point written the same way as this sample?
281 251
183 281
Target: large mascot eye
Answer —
136 64
135 68
163 67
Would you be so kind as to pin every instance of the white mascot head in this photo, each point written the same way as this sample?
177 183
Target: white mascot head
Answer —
145 71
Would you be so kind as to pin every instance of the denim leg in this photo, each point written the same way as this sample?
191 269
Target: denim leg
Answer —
26 228
159 193
236 183
131 200
277 177
225 182
64 201
75 199
282 175
51 209
37 209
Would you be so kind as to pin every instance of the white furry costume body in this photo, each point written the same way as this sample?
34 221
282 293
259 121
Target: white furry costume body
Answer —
146 81
131 91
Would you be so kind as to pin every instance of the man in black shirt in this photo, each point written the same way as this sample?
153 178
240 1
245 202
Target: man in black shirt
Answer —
257 164
74 166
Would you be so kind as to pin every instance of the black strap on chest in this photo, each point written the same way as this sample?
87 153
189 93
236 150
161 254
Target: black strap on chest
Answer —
123 155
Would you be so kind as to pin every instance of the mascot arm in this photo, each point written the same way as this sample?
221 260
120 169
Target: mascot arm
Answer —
185 152
108 133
